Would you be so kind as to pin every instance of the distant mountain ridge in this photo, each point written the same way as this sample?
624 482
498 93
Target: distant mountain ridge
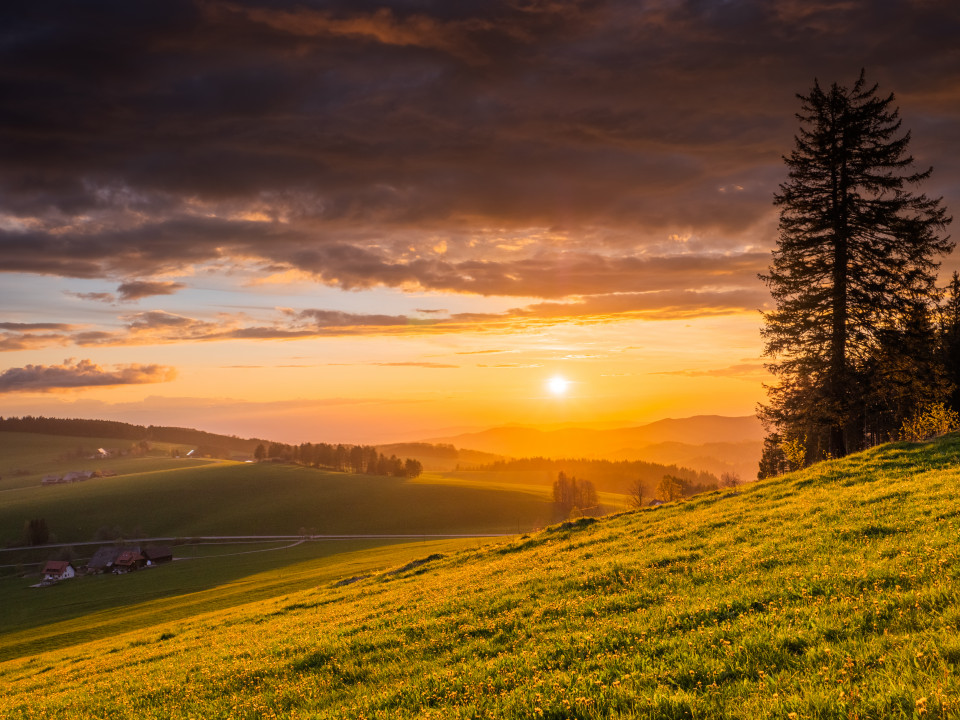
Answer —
714 443
696 430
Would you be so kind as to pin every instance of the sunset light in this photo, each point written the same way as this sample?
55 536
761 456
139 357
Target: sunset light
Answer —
504 359
329 251
557 385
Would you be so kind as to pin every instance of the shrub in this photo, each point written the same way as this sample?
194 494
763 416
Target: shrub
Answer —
928 422
795 452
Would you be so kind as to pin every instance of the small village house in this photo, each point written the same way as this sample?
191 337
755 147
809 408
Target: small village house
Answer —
56 570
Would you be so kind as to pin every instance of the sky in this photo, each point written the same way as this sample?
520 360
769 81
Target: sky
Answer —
367 221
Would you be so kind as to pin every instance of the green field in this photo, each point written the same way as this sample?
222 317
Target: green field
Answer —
829 593
253 499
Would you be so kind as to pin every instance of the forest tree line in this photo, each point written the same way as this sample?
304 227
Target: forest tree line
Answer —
617 476
341 458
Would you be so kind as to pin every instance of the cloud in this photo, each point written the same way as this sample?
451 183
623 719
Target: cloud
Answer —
659 305
79 374
590 161
415 364
551 149
512 366
103 297
381 26
162 327
27 327
136 289
336 318
749 371
31 341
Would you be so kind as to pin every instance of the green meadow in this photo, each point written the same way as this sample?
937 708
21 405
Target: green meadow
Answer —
833 592
229 498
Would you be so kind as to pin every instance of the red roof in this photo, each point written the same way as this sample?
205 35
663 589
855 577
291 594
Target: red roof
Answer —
56 567
128 557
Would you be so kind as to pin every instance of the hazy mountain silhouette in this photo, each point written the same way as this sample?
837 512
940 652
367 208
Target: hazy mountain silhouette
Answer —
704 442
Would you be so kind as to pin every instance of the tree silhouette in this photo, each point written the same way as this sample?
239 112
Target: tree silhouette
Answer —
857 256
950 334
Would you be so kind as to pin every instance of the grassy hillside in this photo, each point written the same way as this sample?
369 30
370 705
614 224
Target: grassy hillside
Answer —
249 498
215 578
26 457
830 593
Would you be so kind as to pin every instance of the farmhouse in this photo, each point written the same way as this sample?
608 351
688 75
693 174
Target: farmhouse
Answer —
56 570
156 554
128 561
51 480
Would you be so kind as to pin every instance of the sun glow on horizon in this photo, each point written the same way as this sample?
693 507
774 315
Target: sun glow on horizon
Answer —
557 385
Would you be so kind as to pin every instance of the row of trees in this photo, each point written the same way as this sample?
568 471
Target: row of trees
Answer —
861 338
672 487
571 494
353 458
616 476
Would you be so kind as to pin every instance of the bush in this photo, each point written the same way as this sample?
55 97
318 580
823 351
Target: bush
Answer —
928 422
795 452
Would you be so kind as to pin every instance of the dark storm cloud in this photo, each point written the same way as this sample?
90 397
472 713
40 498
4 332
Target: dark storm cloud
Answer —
79 374
333 137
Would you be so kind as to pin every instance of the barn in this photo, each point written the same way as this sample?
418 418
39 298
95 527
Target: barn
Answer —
103 560
156 554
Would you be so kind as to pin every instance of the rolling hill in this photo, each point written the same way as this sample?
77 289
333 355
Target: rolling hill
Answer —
269 499
829 593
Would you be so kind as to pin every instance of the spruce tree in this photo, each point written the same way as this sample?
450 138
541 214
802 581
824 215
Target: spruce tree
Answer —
950 339
857 257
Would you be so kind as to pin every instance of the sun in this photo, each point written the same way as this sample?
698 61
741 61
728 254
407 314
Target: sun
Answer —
557 385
